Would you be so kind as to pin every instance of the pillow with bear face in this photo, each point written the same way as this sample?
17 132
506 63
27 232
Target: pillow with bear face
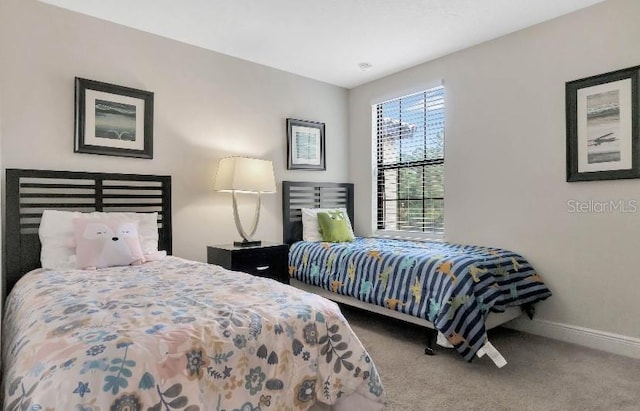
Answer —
56 233
106 242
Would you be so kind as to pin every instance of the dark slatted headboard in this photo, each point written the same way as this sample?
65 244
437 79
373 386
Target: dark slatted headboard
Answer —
303 194
30 192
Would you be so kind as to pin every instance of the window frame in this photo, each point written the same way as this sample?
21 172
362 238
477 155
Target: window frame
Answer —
379 168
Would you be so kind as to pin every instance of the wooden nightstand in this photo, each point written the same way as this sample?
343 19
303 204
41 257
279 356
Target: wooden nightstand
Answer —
267 260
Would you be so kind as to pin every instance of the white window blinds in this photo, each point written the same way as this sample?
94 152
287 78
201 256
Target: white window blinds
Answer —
410 162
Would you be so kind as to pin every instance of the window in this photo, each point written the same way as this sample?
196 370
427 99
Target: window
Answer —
410 163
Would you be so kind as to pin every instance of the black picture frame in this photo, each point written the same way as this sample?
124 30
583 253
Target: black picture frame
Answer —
602 114
113 120
305 145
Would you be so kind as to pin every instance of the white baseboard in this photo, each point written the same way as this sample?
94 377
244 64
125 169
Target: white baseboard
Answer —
599 340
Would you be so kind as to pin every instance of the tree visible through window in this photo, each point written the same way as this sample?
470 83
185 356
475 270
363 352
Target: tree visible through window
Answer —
410 162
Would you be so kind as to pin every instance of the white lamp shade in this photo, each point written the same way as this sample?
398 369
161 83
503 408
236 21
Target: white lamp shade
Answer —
245 174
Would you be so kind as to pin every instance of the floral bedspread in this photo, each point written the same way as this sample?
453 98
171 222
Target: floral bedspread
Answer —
177 335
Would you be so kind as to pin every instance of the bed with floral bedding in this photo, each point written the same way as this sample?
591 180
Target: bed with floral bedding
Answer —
175 334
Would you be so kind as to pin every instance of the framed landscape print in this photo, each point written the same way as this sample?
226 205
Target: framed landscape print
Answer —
113 120
602 126
305 145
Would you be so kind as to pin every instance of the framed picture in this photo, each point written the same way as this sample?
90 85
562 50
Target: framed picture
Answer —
305 145
602 126
113 120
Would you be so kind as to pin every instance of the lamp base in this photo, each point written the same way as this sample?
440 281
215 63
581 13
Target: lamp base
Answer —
245 243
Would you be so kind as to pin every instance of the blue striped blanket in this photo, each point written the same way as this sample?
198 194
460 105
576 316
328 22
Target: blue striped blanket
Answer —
453 286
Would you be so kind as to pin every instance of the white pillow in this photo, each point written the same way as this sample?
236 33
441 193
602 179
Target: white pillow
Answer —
310 226
58 243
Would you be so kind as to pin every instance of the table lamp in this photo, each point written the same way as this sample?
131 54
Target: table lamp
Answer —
245 175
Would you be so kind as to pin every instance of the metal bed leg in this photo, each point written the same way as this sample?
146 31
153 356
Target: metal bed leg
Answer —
431 339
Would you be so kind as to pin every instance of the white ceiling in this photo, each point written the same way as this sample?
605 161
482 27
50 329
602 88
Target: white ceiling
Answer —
327 39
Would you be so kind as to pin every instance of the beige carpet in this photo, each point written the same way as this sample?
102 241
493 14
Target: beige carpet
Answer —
541 374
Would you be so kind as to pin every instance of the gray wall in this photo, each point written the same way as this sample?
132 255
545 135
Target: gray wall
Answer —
505 160
207 106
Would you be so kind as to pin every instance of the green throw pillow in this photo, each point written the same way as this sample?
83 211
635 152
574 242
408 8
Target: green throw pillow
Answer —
334 227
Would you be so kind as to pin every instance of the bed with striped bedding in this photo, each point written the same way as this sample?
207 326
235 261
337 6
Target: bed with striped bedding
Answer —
453 286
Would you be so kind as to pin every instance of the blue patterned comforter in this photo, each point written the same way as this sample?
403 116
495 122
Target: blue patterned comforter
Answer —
453 286
177 335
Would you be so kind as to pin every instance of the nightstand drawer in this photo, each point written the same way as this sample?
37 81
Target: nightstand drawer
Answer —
268 260
258 263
